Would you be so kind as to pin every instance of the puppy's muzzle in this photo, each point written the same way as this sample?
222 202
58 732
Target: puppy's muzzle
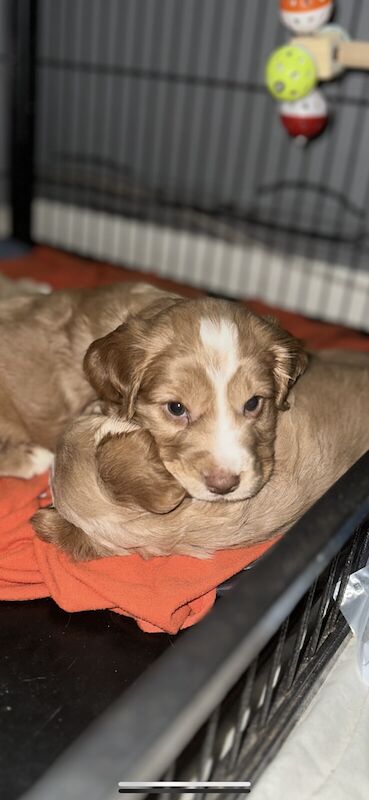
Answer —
219 481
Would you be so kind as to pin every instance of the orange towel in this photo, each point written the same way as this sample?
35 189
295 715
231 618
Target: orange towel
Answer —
162 594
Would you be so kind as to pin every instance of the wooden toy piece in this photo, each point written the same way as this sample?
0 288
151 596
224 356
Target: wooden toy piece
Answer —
333 52
306 118
305 16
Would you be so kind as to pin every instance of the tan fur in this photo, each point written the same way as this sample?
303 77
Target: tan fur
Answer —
21 287
43 340
149 361
129 477
130 468
141 343
323 433
52 528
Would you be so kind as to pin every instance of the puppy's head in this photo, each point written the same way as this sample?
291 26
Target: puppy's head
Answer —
207 379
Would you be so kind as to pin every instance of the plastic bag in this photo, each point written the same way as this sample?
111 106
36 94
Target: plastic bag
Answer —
355 609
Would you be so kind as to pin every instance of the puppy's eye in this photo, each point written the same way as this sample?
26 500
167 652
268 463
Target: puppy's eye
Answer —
253 405
176 409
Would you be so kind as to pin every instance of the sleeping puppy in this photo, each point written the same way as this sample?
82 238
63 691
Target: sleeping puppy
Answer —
92 456
113 495
192 372
138 481
200 385
43 340
207 379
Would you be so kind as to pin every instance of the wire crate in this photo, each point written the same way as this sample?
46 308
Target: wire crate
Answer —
140 133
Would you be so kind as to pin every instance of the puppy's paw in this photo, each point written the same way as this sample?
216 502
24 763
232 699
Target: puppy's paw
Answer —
39 460
23 460
29 286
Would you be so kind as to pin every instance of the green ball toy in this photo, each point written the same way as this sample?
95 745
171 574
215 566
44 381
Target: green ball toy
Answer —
290 73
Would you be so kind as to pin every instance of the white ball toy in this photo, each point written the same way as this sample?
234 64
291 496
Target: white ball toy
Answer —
305 16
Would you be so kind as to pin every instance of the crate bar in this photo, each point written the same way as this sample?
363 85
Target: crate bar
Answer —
260 755
24 13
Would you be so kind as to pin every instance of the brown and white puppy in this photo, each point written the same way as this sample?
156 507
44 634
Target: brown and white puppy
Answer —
200 385
208 376
113 494
199 389
207 379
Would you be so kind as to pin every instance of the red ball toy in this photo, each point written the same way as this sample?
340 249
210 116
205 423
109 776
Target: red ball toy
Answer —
305 118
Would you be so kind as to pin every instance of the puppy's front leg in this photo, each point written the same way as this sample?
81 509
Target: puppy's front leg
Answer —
23 460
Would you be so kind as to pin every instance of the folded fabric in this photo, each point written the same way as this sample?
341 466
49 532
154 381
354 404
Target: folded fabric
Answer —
162 594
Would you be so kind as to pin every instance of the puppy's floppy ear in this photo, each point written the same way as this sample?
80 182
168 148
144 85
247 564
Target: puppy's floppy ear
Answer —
290 361
132 472
114 364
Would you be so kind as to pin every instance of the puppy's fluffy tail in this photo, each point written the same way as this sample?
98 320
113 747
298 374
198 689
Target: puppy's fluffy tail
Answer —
52 528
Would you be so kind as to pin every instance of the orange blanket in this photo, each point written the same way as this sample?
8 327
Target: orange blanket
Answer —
162 594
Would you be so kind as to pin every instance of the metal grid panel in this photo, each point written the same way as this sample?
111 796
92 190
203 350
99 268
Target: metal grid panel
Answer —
6 63
157 146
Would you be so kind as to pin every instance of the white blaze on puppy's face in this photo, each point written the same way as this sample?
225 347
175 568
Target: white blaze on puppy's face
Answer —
197 369
221 345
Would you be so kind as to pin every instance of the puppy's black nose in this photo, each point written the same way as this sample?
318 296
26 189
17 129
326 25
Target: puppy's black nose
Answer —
219 481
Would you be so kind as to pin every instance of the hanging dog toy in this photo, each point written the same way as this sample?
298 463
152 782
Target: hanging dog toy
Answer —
290 73
305 16
294 70
305 118
291 76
